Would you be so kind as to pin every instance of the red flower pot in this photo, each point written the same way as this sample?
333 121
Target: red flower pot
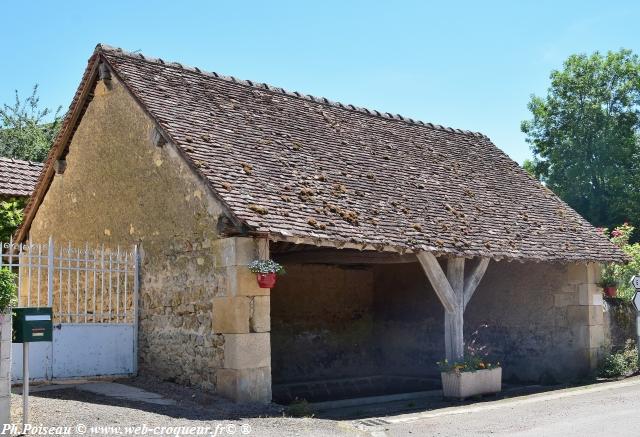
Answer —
611 291
266 280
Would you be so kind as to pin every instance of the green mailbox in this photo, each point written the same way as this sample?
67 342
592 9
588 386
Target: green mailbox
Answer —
31 324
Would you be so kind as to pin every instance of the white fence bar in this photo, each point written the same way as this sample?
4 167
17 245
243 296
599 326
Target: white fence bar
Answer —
50 272
75 274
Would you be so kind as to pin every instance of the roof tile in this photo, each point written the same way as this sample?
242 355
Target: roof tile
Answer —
328 172
18 178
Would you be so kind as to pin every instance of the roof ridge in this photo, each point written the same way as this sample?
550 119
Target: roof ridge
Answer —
264 86
22 161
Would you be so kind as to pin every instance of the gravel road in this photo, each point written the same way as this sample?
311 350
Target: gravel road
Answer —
86 413
606 409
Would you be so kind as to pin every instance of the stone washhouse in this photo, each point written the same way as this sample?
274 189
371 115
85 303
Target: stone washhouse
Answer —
400 238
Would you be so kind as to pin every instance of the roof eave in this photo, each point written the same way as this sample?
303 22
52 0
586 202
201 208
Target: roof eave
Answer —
322 241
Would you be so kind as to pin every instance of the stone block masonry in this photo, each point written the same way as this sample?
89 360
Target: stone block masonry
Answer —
205 321
585 320
241 317
5 367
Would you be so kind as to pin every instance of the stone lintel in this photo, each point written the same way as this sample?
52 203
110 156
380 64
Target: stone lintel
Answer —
236 251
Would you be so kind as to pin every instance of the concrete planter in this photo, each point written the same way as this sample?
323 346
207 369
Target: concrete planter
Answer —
466 384
5 366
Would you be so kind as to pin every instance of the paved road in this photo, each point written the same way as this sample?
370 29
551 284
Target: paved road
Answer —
610 409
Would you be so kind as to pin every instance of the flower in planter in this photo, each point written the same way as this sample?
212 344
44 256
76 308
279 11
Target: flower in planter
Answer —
475 357
607 279
468 363
266 271
472 375
616 278
266 266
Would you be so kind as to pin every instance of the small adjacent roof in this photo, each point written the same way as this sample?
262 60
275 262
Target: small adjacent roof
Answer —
18 178
306 169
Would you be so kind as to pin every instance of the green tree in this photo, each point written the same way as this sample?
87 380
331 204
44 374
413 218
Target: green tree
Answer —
529 167
584 135
10 218
8 290
26 131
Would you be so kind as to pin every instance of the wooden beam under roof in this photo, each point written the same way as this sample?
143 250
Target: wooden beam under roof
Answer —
341 256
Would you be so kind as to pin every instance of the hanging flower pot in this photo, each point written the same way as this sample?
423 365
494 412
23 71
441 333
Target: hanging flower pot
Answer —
266 280
266 272
608 282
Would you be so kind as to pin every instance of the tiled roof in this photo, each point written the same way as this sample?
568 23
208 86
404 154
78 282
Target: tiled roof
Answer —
18 178
303 168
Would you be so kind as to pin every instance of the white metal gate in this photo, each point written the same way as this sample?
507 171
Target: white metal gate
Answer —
94 295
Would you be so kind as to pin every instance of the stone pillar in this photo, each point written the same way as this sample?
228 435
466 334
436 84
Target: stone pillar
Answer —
585 316
5 368
241 313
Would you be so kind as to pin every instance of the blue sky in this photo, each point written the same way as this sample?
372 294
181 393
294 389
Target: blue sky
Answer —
470 65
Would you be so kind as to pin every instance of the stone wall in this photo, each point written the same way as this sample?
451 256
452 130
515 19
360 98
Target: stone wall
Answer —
120 189
619 323
322 323
5 368
409 320
544 320
205 322
176 341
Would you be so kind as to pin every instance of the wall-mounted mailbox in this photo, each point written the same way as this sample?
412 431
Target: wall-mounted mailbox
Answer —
32 324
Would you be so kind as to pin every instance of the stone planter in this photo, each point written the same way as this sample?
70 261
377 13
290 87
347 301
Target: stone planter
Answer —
466 384
5 366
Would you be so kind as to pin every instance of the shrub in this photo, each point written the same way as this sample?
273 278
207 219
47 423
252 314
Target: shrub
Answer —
10 217
300 408
621 274
8 289
621 363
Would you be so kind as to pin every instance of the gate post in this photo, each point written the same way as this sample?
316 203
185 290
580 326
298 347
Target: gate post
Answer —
136 297
5 366
50 255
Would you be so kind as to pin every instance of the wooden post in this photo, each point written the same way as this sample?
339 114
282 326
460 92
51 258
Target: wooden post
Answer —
454 320
454 291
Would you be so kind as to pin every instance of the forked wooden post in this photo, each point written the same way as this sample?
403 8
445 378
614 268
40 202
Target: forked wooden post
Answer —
454 321
454 291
